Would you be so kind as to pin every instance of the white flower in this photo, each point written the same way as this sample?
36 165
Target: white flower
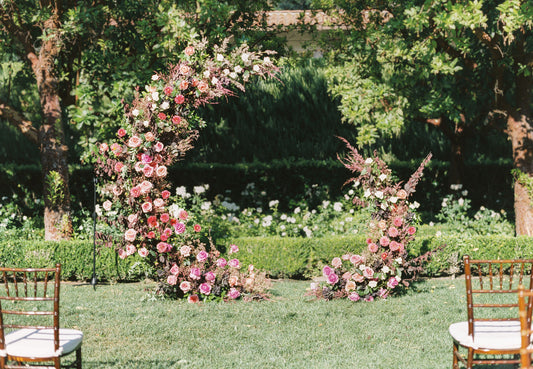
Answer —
382 177
214 80
245 57
165 105
182 191
398 278
351 192
461 201
238 69
308 232
146 123
414 205
325 204
283 216
438 234
431 224
379 194
337 206
356 184
384 206
367 193
256 68
266 59
135 112
98 210
256 221
297 210
291 220
399 260
220 57
231 206
155 96
369 161
206 205
153 106
155 77
282 227
267 221
233 75
225 71
199 190
456 187
385 269
464 193
206 74
174 210
372 284
352 211
273 203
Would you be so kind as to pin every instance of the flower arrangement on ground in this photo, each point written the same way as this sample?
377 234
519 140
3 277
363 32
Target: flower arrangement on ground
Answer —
158 129
378 271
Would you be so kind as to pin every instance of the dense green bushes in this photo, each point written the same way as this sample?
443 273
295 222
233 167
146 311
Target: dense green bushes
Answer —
280 257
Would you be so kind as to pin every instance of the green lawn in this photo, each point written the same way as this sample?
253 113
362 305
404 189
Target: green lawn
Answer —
123 329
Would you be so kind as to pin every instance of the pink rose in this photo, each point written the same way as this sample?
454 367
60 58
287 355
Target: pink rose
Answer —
104 147
162 116
121 132
158 147
143 252
118 166
368 241
116 148
146 159
149 136
179 228
197 227
346 257
138 166
336 262
146 186
358 278
185 251
326 271
233 249
165 194
183 215
176 119
384 241
147 206
411 230
163 247
180 99
347 275
195 273
233 293
221 263
117 190
175 269
333 278
130 235
172 280
168 90
394 246
202 256
356 259
397 222
184 85
158 203
393 232
189 50
135 192
210 276
354 296
122 254
369 298
132 218
184 69
205 288
161 171
232 280
193 299
185 286
203 87
373 247
130 249
148 170
134 141
164 217
234 263
107 205
368 273
383 293
393 282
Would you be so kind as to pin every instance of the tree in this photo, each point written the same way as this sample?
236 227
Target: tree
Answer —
463 66
83 56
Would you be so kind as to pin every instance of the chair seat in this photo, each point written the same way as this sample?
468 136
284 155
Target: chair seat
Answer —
489 335
39 343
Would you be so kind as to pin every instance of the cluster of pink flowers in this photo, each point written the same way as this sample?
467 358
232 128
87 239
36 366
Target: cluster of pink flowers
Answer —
379 269
158 129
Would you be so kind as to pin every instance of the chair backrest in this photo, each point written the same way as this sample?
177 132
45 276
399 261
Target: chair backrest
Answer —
491 288
525 304
29 298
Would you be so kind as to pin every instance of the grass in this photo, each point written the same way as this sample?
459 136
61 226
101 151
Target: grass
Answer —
124 329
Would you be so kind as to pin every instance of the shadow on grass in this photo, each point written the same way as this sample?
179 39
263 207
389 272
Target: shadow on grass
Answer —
138 364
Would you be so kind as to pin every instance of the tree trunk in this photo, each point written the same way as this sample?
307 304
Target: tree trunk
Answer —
519 129
54 158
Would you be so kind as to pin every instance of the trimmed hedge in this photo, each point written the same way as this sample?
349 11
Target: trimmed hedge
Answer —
76 258
279 256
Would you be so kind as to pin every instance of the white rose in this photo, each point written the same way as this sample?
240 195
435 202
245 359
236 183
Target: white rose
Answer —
369 161
382 177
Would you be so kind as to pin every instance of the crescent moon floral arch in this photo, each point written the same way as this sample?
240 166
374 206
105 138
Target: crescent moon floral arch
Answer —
158 129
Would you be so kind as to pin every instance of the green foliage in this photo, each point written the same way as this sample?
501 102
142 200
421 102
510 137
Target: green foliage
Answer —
75 256
55 186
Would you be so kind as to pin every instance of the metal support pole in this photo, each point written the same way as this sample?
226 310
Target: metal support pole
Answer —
94 280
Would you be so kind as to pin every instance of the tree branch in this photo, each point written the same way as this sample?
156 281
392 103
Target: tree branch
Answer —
23 36
17 120
448 49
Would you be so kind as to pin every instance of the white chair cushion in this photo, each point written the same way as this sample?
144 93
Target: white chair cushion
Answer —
499 335
39 343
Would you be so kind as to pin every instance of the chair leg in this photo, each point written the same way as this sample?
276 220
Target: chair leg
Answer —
455 353
2 362
57 363
470 361
78 358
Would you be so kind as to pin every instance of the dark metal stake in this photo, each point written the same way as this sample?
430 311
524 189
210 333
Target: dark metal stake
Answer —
94 280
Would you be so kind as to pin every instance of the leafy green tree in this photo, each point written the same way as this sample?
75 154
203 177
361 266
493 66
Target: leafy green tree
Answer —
464 67
77 59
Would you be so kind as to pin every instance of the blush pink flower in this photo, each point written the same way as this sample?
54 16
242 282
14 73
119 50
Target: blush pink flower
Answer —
326 271
130 235
180 99
184 85
118 166
234 293
163 247
162 116
411 230
161 171
164 217
147 206
148 171
189 50
202 256
358 278
210 276
347 275
185 251
393 232
165 194
116 148
221 262
117 190
130 249
394 246
158 147
185 69
333 278
373 247
336 262
193 299
107 205
132 218
232 280
185 286
384 241
393 282
122 254
104 147
168 90
158 203
175 269
149 136
134 141
397 222
121 132
354 296
195 273
356 259
143 252
135 192
172 280
234 263
368 273
183 215
179 228
146 186
233 249
203 87
176 119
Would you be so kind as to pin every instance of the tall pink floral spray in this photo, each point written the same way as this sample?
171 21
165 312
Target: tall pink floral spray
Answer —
158 129
380 268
